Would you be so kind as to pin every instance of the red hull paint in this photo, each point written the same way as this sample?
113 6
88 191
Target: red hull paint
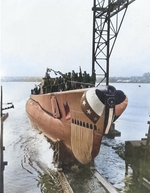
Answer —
76 117
53 114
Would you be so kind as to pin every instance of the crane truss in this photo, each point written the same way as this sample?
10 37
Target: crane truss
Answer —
108 16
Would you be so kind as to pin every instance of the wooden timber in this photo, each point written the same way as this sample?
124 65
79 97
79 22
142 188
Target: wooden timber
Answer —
64 183
102 185
107 185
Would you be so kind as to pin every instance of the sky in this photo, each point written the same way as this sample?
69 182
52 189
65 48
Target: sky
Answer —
36 34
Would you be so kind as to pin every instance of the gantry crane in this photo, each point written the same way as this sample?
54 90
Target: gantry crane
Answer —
107 21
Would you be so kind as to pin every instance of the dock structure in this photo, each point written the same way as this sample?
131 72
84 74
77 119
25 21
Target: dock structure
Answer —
103 186
137 155
2 148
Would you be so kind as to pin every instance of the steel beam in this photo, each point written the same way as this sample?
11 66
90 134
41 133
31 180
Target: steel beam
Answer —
107 21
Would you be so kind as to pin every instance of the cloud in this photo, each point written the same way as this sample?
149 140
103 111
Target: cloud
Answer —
58 34
37 34
131 52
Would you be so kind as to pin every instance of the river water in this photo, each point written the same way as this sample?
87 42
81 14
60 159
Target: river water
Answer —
30 168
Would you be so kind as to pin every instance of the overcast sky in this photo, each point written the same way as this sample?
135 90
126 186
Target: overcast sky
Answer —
36 34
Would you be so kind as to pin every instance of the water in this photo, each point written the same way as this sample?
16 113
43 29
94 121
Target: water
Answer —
29 156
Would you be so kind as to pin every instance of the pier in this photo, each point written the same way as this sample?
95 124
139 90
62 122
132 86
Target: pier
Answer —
137 155
3 163
2 148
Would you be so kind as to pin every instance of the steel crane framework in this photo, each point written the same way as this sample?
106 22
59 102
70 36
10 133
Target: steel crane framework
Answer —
108 16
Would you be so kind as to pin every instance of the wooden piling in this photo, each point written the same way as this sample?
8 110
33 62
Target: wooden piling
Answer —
2 163
1 149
